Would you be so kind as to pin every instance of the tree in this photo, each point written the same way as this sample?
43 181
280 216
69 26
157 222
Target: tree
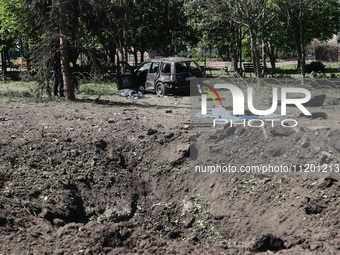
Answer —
59 25
214 27
64 55
253 15
139 25
17 28
230 16
310 19
276 41
167 26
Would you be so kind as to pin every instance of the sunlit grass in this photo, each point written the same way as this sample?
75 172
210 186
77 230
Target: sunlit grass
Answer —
98 88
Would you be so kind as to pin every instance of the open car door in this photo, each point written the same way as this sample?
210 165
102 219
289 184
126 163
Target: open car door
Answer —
126 78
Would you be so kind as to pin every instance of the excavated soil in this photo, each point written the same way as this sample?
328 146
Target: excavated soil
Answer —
108 175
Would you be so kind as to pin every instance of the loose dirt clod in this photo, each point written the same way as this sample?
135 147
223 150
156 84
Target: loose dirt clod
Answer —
268 242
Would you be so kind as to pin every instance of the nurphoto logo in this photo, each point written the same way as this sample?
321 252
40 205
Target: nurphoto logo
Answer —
238 99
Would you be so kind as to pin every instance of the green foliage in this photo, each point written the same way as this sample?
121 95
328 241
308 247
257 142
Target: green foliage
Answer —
98 30
16 20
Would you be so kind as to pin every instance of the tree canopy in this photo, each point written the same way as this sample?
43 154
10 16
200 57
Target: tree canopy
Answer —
58 32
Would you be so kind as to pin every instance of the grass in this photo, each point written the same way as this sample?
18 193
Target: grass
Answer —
98 89
13 90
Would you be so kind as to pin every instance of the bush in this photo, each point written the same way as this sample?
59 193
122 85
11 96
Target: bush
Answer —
325 51
315 66
13 75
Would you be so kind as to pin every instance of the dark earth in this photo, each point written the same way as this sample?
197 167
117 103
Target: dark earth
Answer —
107 175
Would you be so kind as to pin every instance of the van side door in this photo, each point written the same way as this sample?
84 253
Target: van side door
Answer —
152 75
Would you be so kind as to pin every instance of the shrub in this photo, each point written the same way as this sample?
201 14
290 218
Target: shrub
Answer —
326 51
315 66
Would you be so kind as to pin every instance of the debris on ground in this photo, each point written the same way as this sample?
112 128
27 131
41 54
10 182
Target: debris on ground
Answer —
133 94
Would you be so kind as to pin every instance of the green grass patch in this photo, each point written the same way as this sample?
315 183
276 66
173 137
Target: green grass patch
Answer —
98 89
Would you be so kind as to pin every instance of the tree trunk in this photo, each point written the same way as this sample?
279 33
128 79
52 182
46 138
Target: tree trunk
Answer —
118 63
64 58
121 54
298 50
302 40
272 54
233 53
112 55
7 58
301 57
3 61
205 60
126 54
263 35
234 59
135 56
240 48
142 56
255 53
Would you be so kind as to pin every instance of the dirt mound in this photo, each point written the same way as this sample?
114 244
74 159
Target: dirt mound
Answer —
310 152
111 179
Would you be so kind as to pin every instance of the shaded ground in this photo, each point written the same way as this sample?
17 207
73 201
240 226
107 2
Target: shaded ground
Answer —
112 176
